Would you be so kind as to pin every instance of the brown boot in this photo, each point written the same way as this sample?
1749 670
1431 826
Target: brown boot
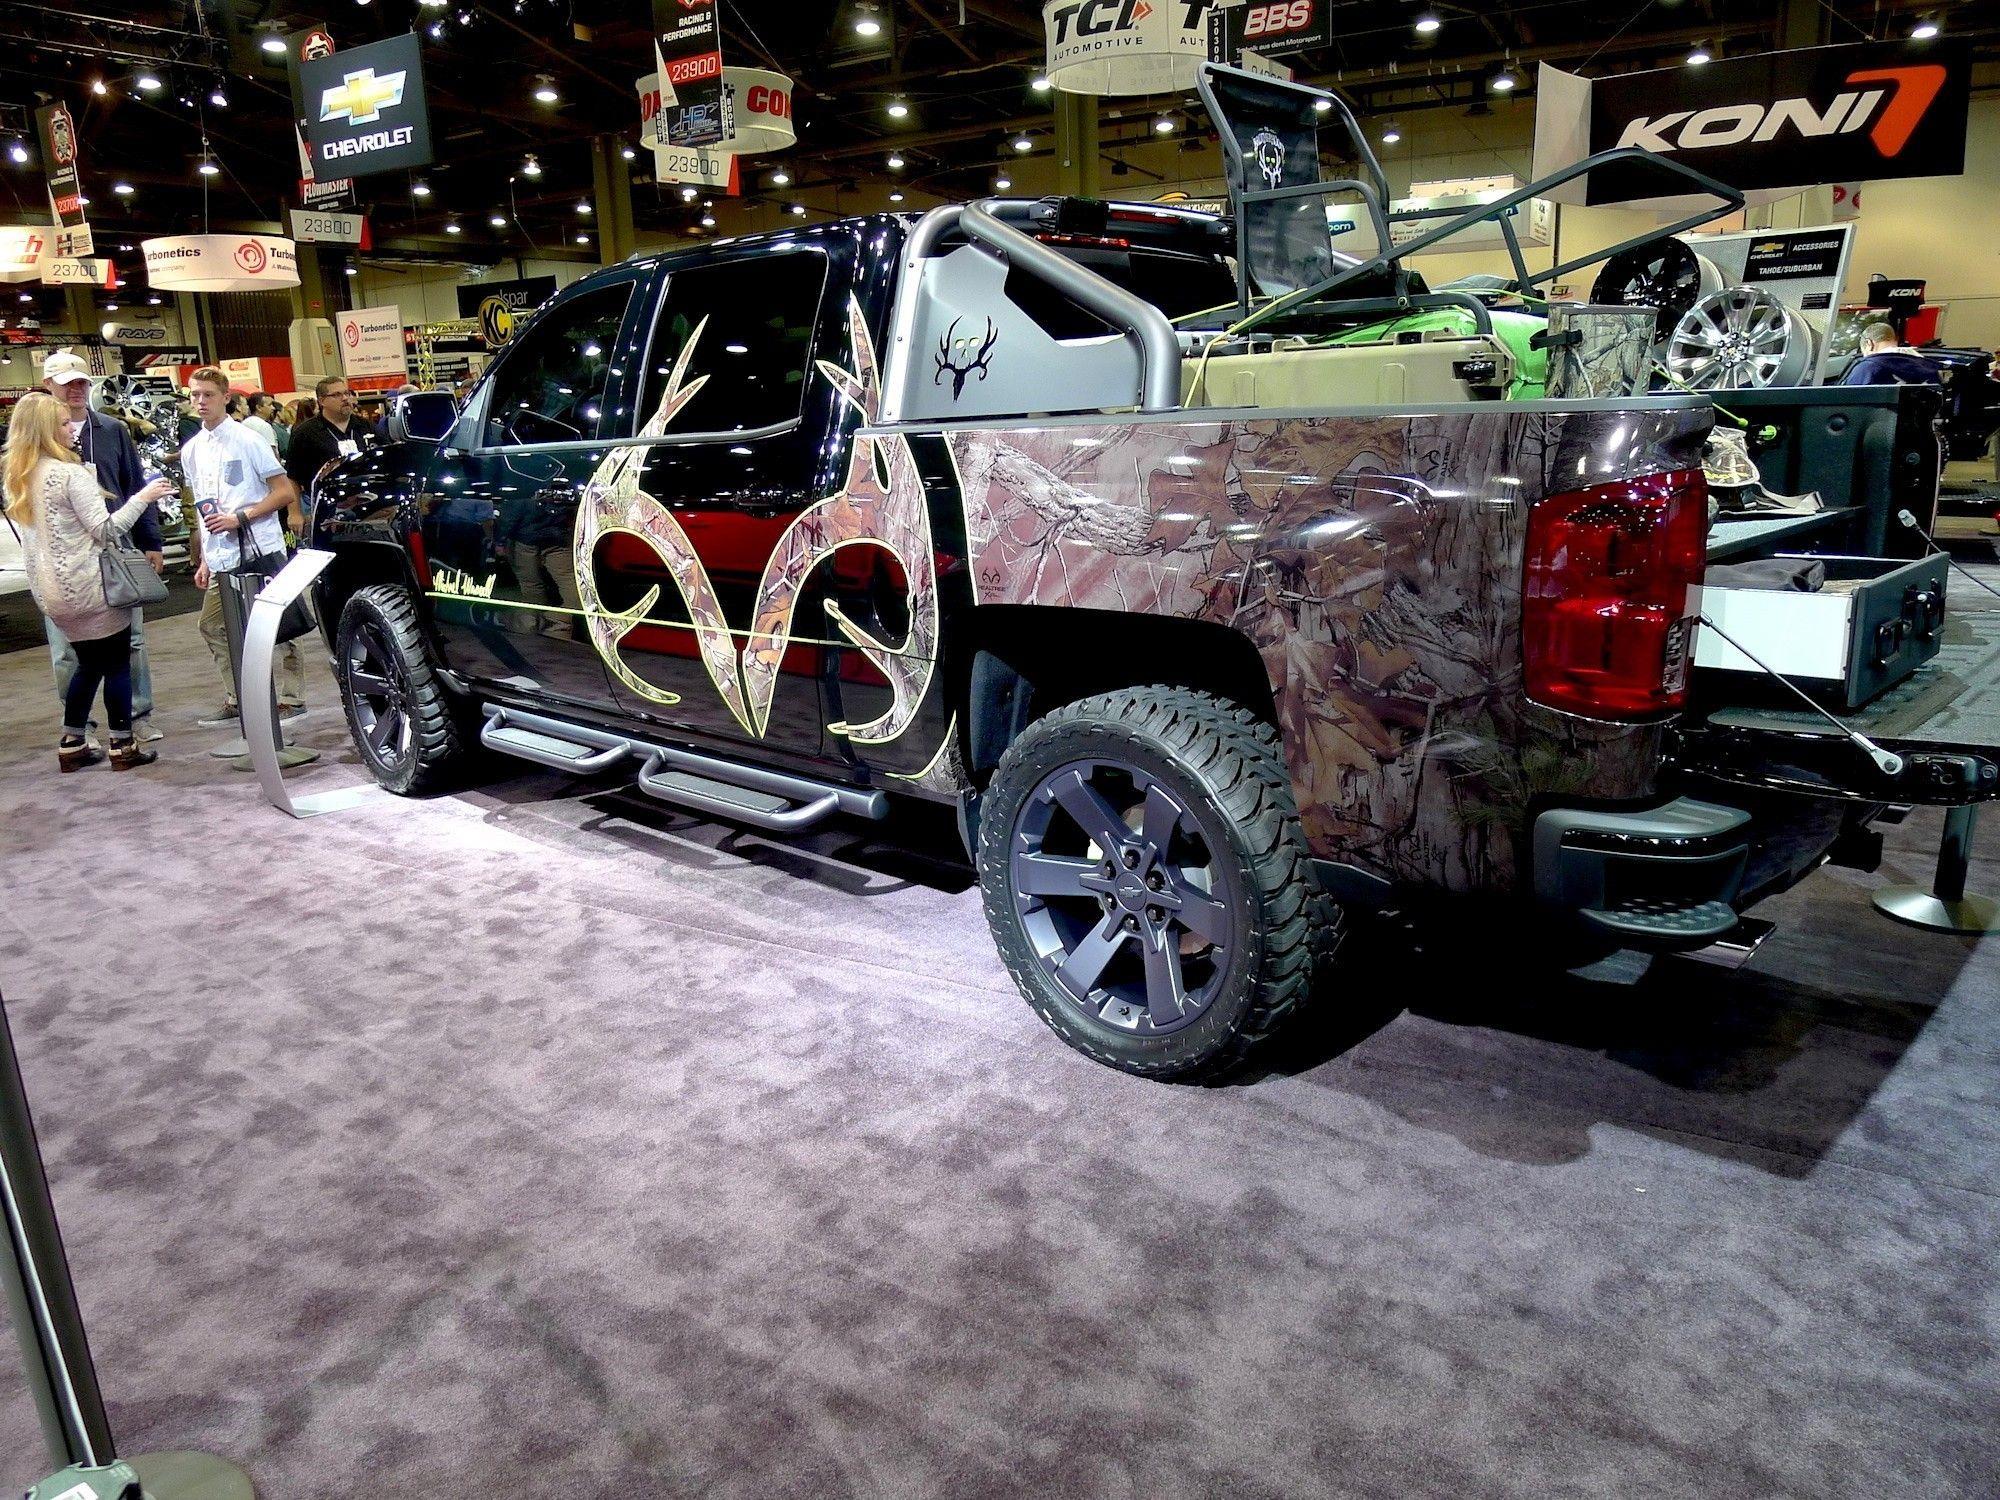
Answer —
125 754
74 755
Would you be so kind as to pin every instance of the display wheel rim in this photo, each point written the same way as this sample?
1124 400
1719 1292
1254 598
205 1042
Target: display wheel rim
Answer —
1739 339
1124 892
380 696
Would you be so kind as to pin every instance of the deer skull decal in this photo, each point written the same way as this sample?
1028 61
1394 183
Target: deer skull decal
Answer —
950 348
1267 149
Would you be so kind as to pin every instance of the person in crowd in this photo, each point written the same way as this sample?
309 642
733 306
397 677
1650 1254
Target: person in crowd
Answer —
284 416
55 503
106 446
320 442
239 487
1885 362
259 420
236 408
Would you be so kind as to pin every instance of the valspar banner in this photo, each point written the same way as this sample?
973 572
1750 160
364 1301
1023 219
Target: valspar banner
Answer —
1124 46
365 109
1778 122
371 342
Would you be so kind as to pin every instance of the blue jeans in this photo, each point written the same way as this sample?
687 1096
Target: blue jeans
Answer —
62 656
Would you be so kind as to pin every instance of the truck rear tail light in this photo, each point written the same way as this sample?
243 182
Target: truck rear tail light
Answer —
1608 614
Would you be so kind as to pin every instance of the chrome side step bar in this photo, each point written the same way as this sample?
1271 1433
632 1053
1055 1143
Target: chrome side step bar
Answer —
773 800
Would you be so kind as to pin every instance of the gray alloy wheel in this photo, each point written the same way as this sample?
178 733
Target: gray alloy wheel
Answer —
398 711
1740 339
1147 882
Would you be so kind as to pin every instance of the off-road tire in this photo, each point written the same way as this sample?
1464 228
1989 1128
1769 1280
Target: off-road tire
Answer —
379 623
1224 765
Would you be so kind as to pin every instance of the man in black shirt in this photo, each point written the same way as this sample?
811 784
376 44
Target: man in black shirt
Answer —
320 442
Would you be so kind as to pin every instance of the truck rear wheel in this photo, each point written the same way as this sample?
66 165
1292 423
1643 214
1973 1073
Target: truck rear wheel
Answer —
1147 881
398 711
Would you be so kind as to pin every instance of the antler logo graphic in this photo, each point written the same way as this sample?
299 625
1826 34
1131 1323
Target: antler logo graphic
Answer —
1267 149
950 348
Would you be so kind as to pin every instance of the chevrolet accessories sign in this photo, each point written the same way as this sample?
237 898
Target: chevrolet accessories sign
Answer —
1779 121
365 109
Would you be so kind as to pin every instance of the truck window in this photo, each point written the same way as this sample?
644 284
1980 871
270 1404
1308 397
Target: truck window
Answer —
550 386
755 348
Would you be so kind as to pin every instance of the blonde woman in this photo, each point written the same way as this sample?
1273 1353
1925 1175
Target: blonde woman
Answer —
54 501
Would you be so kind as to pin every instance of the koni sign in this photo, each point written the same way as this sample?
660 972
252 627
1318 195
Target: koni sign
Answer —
1859 113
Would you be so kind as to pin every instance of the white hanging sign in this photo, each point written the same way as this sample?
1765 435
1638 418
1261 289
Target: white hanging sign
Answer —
371 342
220 263
76 271
1124 46
312 226
22 250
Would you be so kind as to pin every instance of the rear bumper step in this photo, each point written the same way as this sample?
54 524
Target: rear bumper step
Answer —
1663 879
774 800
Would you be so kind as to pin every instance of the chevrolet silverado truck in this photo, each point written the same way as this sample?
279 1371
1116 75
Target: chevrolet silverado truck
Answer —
1209 637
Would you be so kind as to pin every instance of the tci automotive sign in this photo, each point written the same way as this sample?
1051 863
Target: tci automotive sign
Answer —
365 109
1856 113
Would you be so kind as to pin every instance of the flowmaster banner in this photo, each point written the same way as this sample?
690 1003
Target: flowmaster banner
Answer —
365 110
688 41
1769 124
315 191
59 163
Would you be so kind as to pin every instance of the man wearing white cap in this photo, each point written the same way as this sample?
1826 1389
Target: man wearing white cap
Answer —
106 444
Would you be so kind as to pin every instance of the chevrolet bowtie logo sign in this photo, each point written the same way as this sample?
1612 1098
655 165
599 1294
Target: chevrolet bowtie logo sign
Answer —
362 97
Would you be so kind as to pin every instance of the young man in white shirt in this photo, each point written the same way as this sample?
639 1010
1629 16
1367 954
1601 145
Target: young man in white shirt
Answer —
239 489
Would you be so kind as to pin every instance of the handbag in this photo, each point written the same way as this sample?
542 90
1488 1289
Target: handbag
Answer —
129 580
298 618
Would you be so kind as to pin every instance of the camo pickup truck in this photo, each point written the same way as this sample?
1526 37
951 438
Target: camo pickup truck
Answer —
787 527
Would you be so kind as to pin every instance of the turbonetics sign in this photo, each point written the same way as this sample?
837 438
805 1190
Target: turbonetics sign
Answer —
365 109
1780 120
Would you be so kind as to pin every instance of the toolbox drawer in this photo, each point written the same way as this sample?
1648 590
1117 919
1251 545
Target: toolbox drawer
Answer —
1877 621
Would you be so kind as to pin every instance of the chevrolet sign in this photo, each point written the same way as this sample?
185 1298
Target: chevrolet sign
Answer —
370 115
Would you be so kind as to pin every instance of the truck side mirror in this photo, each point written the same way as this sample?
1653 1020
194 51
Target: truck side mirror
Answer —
427 416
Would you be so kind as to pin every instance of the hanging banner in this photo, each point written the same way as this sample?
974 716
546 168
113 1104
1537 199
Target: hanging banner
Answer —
60 166
371 343
365 110
1124 46
1769 124
1272 28
311 227
79 271
334 195
687 36
23 247
760 112
220 263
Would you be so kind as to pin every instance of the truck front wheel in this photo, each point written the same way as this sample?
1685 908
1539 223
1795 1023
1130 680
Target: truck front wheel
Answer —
398 711
1147 881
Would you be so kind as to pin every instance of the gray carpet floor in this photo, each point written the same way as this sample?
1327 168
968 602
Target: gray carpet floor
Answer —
537 1141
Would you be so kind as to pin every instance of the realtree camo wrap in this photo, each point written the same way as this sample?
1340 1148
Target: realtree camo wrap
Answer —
1376 565
881 503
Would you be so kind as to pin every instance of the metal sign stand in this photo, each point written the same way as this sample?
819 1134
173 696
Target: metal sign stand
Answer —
240 591
268 754
1945 907
54 1350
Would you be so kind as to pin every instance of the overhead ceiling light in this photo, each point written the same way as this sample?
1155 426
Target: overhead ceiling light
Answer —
531 167
273 44
797 210
1925 29
628 153
896 196
583 239
122 189
219 99
111 307
1164 125
1504 81
420 189
1002 183
866 24
148 82
498 221
1391 133
582 207
350 271
1428 23
545 89
1024 143
208 168
97 84
896 162
898 110
18 152
708 221
82 201
688 195
27 296
154 300
1699 55
1040 83
781 178
451 227
1321 106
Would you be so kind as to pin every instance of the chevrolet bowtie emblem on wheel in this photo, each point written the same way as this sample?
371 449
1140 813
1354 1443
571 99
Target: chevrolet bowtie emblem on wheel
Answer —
362 97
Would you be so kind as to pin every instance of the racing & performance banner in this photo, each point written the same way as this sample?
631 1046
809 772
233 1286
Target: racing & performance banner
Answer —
59 164
688 36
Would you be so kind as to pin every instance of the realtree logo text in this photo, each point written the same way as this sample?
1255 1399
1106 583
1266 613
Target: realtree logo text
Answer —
1890 115
1103 18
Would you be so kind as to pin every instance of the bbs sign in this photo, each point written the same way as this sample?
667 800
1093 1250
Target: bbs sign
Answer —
1859 113
1269 27
365 109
